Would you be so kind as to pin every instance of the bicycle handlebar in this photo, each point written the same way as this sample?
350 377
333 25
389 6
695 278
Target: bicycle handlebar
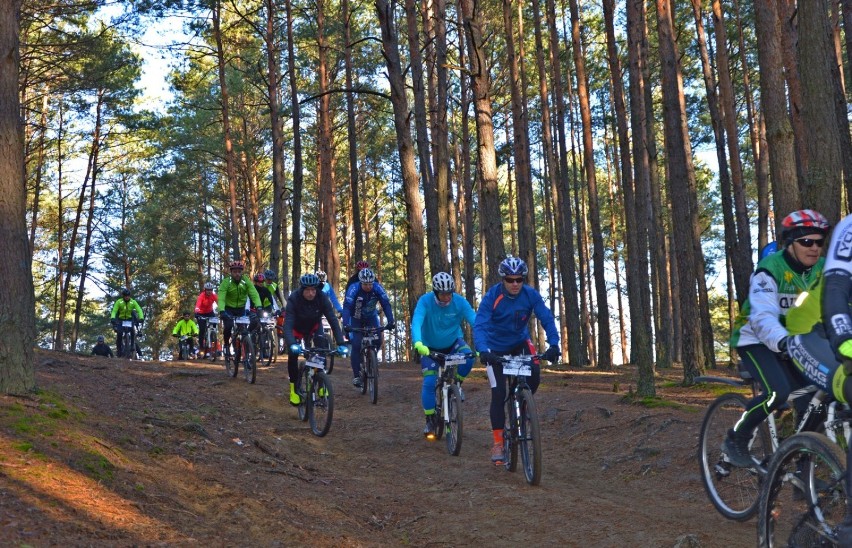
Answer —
366 329
442 356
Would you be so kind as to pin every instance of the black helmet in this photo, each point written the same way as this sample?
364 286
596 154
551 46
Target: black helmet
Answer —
125 292
100 338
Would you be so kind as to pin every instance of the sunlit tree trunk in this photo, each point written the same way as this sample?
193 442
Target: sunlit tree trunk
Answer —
773 98
411 182
681 177
466 181
785 11
230 169
821 190
274 91
490 219
564 223
17 300
354 184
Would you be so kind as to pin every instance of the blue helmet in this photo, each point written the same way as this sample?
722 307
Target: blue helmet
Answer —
309 280
512 266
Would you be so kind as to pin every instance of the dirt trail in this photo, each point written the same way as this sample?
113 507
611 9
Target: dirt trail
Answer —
125 453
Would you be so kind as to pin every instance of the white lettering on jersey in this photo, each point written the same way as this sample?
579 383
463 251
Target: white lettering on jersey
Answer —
842 324
843 251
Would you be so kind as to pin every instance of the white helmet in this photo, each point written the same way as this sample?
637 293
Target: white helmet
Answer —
443 283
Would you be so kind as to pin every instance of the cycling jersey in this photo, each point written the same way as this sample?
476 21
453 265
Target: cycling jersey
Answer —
123 310
437 326
502 321
332 295
185 327
206 304
361 305
773 290
237 294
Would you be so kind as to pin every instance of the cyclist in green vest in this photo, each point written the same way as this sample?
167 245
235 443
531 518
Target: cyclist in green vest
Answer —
760 333
237 297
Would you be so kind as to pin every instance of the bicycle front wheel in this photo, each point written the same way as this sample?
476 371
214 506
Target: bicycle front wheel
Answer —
733 491
438 417
265 348
127 346
249 359
529 437
373 375
454 422
321 404
510 434
804 500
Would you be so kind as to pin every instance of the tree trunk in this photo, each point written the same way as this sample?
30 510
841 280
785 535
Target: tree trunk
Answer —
298 179
353 145
230 170
604 336
742 242
414 209
636 261
39 168
821 190
564 222
773 97
520 149
274 91
17 300
491 221
466 180
786 14
681 177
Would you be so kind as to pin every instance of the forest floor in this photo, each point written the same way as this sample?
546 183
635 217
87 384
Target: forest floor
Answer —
119 453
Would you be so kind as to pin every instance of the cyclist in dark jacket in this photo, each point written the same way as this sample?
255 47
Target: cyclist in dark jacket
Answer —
305 308
102 348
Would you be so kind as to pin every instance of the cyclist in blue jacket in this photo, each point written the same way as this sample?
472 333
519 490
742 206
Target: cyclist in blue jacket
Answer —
359 310
501 328
328 289
436 325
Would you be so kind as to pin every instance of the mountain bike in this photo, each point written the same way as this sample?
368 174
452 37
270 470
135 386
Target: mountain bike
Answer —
279 332
370 344
448 408
244 353
522 433
266 339
210 338
735 491
806 499
315 389
326 330
183 347
128 329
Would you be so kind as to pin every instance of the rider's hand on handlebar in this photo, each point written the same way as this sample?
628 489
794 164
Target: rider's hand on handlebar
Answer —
488 357
421 348
343 350
295 349
552 354
390 325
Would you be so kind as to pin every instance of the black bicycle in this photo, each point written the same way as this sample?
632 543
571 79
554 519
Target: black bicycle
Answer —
370 344
315 390
128 332
266 336
522 433
183 347
243 350
734 491
806 499
448 409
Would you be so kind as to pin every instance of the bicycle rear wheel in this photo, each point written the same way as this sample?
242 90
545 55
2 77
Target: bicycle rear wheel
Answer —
373 376
733 491
454 424
249 359
510 435
529 437
265 348
804 501
321 404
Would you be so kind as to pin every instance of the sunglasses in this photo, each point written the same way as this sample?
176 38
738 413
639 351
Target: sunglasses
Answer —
808 242
513 280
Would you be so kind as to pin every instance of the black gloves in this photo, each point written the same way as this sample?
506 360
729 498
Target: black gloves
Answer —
488 357
390 325
553 354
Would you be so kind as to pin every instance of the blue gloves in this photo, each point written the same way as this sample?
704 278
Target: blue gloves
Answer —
343 350
295 349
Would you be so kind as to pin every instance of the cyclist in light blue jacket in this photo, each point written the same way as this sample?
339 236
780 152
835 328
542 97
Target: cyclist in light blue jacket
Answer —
436 326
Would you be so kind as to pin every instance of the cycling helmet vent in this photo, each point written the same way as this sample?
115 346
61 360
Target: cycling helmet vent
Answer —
309 280
366 276
443 283
512 266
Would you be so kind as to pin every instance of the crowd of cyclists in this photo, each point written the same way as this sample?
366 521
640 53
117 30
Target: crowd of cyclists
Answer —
500 325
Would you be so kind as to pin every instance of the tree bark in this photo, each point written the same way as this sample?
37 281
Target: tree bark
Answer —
354 184
779 132
298 178
480 81
17 300
604 336
411 183
681 177
274 92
